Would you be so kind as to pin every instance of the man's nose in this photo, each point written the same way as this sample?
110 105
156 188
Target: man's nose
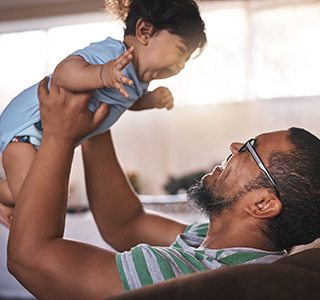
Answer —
235 146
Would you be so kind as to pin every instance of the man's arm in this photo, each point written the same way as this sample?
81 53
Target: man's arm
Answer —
121 219
49 266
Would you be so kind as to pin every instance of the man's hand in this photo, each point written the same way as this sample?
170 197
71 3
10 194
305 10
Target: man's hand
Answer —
65 115
6 213
39 257
111 73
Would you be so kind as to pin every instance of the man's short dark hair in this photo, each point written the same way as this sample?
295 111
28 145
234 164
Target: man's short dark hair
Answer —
297 174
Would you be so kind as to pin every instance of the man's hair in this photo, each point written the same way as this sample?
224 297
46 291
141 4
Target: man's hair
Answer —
179 17
297 175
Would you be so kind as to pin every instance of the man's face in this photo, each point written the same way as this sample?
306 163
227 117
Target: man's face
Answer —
226 184
209 202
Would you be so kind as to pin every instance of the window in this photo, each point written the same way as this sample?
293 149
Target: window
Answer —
252 53
285 51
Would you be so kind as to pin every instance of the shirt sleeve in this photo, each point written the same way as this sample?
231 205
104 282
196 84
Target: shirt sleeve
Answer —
144 265
101 52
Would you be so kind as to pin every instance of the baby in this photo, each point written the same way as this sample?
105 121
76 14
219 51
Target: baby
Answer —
159 38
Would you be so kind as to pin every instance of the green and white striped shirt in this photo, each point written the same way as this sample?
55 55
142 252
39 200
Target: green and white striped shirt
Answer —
144 264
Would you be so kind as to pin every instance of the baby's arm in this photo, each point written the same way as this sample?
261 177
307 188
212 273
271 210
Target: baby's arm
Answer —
77 75
159 98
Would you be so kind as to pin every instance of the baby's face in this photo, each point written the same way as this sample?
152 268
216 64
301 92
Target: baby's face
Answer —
163 57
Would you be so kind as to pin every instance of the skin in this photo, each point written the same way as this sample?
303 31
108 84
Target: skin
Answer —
154 55
247 214
60 267
126 225
6 213
241 165
159 55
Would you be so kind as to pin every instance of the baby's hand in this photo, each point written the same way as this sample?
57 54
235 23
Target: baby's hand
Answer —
161 97
111 73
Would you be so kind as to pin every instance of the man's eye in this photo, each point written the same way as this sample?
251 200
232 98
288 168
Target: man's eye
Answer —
245 148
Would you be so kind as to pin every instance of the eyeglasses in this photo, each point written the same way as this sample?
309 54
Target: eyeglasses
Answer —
249 146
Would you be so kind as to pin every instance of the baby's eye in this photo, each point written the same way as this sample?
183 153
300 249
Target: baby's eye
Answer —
183 50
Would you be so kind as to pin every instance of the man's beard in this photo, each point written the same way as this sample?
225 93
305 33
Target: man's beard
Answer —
210 204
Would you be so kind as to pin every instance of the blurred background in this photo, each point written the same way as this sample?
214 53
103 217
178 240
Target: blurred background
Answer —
259 72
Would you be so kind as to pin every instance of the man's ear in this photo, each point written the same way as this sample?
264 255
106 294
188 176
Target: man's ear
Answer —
144 31
266 206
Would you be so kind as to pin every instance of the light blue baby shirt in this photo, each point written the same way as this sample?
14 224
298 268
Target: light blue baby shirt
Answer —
23 110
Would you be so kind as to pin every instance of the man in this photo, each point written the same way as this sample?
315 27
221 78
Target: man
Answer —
262 200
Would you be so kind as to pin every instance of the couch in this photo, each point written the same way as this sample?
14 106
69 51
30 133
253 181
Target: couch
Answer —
294 277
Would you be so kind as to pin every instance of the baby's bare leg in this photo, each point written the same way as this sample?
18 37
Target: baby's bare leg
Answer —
6 213
17 159
6 197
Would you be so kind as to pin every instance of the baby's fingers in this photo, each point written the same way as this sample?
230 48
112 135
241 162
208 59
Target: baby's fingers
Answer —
122 90
169 105
124 59
119 85
126 80
167 101
167 98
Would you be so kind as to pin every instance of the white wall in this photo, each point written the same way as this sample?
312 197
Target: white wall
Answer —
157 144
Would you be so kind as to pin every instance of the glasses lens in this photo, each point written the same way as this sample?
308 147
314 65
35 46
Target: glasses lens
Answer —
244 146
252 142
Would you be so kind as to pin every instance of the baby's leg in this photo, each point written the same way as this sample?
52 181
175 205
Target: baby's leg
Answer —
6 197
17 159
6 213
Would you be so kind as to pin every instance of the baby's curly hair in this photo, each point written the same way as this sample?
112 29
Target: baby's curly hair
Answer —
118 7
179 17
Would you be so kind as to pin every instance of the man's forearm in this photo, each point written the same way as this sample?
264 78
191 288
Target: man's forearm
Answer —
111 197
40 210
47 265
116 207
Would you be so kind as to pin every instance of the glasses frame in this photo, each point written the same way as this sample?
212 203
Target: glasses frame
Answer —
247 145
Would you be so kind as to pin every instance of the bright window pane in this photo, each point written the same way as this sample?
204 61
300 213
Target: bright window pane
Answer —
286 49
65 40
23 58
254 54
208 78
